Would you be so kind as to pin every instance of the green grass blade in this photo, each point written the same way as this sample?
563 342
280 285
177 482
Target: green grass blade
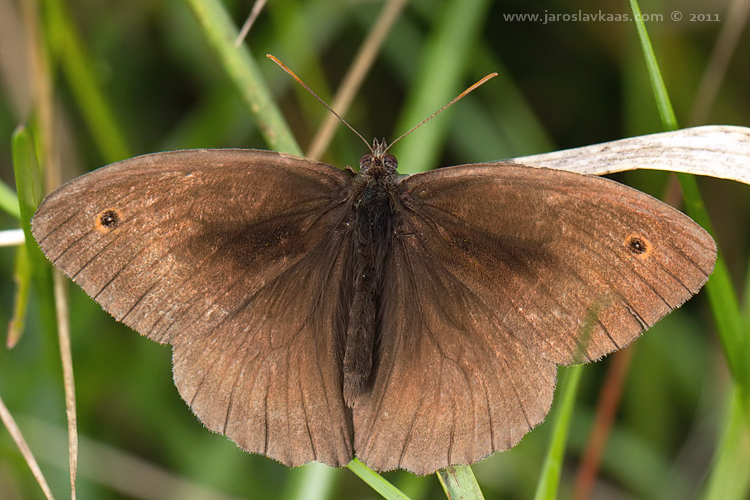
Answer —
722 296
730 476
663 103
28 179
314 481
442 70
459 483
565 401
30 194
79 71
220 32
22 278
376 481
734 334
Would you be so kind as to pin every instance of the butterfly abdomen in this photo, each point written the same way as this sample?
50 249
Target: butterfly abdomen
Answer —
372 240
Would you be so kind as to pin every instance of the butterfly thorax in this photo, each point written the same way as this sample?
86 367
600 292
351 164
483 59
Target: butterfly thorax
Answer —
374 207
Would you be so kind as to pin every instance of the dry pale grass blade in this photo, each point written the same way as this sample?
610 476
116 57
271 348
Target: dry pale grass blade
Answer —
254 13
720 151
15 433
732 27
43 92
63 332
353 79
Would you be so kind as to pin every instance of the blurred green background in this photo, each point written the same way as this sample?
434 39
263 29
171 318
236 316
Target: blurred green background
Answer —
562 84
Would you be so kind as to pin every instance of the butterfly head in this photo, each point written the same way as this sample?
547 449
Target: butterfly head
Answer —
377 161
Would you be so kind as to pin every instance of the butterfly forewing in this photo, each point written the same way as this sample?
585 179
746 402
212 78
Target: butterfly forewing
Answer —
551 253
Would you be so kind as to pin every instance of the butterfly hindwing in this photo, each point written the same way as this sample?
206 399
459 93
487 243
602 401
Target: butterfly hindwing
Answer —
451 387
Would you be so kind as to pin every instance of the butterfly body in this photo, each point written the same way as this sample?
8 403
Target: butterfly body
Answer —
375 206
414 322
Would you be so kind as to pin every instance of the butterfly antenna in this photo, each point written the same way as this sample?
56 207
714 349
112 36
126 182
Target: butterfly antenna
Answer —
291 73
454 101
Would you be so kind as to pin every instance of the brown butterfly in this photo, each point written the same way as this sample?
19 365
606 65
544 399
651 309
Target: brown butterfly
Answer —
414 322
